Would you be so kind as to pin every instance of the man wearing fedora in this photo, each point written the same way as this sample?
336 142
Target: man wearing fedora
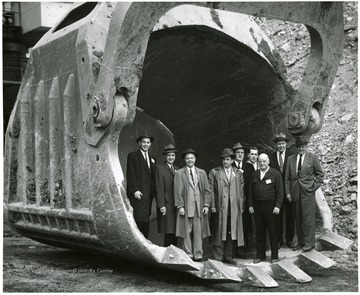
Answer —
140 174
278 161
166 210
265 199
303 177
192 200
247 169
226 191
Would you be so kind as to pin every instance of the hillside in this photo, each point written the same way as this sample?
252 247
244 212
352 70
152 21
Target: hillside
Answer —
336 143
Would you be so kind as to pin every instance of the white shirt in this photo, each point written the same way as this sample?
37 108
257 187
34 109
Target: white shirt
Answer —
302 160
228 173
262 173
238 164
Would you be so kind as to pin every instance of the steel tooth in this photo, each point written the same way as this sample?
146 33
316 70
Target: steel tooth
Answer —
315 259
288 271
177 259
257 277
40 139
333 241
216 270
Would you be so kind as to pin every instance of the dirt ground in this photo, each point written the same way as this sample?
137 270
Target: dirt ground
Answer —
29 266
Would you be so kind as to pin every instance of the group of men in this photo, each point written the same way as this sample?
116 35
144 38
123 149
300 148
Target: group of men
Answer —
192 205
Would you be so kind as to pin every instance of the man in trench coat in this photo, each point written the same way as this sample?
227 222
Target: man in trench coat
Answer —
226 191
140 174
191 192
166 210
303 177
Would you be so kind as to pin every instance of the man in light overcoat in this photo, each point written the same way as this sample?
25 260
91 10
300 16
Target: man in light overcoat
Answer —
226 191
192 200
303 177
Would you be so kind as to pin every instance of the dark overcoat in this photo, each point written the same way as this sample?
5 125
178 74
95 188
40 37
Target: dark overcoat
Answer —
182 187
274 163
141 178
220 191
165 198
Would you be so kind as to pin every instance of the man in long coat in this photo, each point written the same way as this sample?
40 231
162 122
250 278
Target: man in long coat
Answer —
303 177
226 191
166 210
191 192
278 161
265 200
140 174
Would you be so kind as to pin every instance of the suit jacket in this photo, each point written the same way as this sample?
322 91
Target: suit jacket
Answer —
221 190
165 198
266 189
183 187
310 178
248 169
140 178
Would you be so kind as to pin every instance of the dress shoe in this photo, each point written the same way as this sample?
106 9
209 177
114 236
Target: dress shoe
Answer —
290 244
258 260
199 260
275 260
232 261
298 247
308 248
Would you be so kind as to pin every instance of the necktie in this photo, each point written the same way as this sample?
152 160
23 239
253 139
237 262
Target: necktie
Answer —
227 174
172 169
281 162
299 165
192 176
147 160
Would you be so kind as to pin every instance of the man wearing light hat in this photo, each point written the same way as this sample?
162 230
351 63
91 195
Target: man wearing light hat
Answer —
303 177
192 200
166 213
226 191
140 174
278 161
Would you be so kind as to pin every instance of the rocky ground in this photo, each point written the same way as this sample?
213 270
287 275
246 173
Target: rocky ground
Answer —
336 143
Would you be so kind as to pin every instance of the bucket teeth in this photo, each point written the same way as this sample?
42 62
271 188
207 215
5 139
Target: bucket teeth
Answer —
216 270
177 259
257 277
288 271
315 259
333 241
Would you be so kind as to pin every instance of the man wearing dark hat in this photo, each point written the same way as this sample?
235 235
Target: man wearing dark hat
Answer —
166 210
140 174
247 169
192 199
303 177
265 199
226 191
278 161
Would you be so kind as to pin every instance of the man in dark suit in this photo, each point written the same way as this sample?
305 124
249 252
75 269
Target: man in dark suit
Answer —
192 199
265 200
278 161
140 174
166 210
247 169
303 177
